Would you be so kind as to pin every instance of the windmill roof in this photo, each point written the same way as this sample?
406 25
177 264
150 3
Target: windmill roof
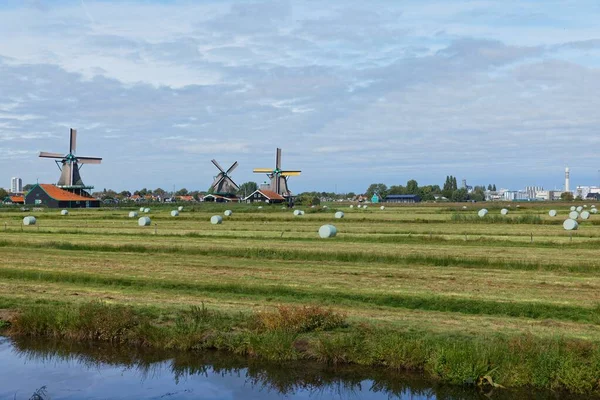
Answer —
62 195
271 195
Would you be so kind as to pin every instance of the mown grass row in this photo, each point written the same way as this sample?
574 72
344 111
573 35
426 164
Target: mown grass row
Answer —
319 334
315 255
331 297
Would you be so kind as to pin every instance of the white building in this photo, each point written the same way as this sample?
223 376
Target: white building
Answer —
16 185
583 191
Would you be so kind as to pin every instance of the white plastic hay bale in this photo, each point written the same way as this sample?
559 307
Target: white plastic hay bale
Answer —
382 208
297 213
64 212
593 211
585 206
133 214
552 213
339 215
180 208
144 221
464 207
174 213
260 207
573 208
351 205
216 220
358 206
146 210
518 205
579 209
365 206
482 213
228 213
573 215
29 220
313 206
327 231
141 209
504 211
570 225
585 215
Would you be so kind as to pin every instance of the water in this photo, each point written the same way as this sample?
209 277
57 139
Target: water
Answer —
98 371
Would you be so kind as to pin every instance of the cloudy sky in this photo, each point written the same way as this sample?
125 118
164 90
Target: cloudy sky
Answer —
355 92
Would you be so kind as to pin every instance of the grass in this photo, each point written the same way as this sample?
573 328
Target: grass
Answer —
430 288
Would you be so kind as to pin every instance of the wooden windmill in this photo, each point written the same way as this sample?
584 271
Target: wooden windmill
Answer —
223 184
278 176
70 164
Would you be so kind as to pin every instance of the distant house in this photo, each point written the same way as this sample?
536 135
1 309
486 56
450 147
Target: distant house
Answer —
593 196
186 198
218 198
55 197
136 198
402 198
265 196
12 199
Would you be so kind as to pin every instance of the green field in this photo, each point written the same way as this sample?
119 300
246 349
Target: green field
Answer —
431 287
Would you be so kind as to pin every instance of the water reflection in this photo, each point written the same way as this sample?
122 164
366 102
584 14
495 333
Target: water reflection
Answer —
100 371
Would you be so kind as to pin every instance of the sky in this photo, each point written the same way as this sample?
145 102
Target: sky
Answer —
354 92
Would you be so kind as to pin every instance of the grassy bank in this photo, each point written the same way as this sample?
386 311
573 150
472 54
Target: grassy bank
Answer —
428 288
314 333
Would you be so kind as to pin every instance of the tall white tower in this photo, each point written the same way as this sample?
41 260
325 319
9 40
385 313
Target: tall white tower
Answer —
567 180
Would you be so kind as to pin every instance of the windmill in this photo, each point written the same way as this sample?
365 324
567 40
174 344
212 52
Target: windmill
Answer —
223 183
70 164
278 176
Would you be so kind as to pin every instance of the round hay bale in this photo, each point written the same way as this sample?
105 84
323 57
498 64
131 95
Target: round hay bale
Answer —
593 211
351 205
339 215
133 214
260 207
327 231
464 207
64 212
141 209
298 212
365 206
552 213
146 210
570 225
579 209
216 220
174 213
482 213
358 206
585 206
180 208
504 211
228 213
29 221
573 215
382 208
573 208
144 221
585 215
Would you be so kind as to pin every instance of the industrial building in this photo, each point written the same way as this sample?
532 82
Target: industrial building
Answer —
55 197
16 185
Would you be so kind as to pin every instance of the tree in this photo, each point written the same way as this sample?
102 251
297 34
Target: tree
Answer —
315 201
181 192
3 194
412 187
160 192
566 196
460 195
247 188
380 188
494 187
28 187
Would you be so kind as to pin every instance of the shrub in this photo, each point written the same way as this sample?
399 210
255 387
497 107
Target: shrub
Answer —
300 319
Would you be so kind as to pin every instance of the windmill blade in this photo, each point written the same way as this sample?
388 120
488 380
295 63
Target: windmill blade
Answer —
278 159
89 160
262 170
45 154
290 173
217 165
217 180
73 143
235 185
233 166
